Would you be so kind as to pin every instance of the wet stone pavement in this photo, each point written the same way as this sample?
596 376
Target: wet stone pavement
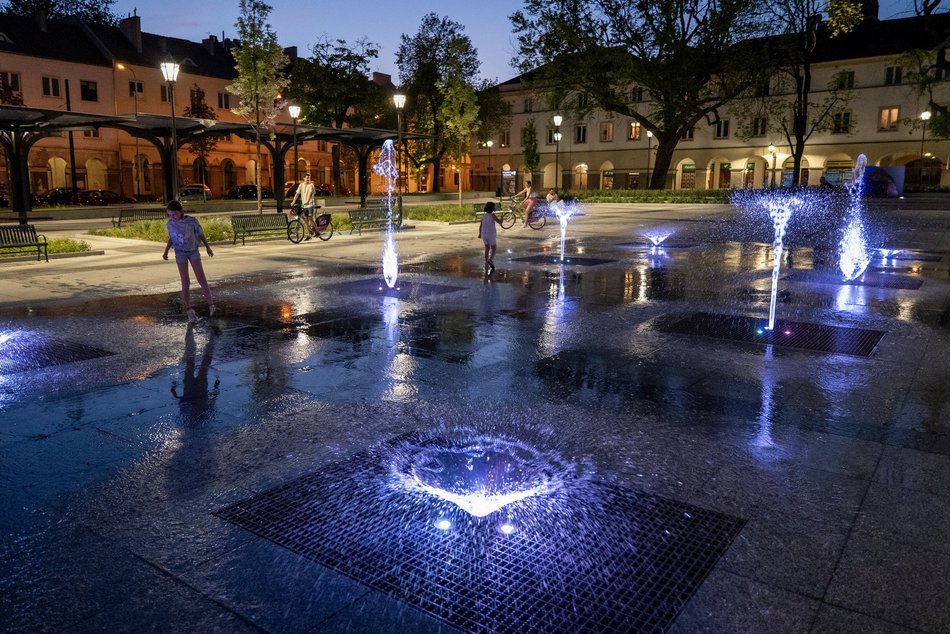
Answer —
266 469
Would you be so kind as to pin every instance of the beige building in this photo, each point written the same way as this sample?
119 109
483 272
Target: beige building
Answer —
604 150
73 65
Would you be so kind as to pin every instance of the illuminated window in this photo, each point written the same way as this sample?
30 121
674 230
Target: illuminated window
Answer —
634 131
889 118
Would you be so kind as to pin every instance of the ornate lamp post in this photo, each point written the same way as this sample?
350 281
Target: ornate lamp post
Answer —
557 119
772 150
399 100
489 143
170 73
136 167
294 111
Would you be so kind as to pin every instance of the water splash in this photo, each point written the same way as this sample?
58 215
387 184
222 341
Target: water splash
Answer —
480 474
853 257
564 211
656 236
388 168
780 211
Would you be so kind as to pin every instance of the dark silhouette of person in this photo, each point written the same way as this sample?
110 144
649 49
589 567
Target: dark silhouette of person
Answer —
196 401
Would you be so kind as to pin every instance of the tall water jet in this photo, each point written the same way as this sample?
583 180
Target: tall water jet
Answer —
853 257
564 211
780 210
388 168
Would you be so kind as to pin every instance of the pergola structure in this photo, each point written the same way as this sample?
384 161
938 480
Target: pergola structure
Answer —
22 127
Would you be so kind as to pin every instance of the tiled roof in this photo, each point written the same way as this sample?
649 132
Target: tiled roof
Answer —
63 40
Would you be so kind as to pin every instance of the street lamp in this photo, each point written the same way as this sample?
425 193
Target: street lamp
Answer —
649 152
489 143
294 111
399 100
772 150
170 73
557 119
925 117
136 169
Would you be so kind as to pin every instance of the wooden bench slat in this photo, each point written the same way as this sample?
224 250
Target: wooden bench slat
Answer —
23 238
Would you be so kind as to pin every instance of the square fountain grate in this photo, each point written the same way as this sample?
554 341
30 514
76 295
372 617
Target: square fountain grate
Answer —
873 280
621 561
376 287
572 260
22 351
791 334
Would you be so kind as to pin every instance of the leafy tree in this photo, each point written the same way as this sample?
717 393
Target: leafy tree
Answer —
333 89
459 114
926 68
437 56
788 101
98 11
685 53
529 141
260 62
10 97
202 147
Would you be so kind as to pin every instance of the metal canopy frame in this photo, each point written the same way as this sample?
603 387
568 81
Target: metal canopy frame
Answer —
21 127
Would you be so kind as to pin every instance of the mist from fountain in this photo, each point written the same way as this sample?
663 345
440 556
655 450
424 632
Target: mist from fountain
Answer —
853 256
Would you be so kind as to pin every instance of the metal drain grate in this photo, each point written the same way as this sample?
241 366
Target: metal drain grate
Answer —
21 351
873 280
598 559
791 334
376 287
572 260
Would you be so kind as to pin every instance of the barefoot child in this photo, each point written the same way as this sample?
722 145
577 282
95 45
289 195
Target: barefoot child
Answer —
185 234
486 231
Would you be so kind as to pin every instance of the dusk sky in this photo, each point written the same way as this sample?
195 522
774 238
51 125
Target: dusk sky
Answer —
301 23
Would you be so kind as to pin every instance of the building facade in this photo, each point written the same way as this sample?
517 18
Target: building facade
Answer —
882 120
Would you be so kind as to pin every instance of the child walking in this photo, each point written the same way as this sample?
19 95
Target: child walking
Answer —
185 234
487 232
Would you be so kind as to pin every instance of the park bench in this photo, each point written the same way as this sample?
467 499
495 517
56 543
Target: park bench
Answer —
132 215
373 216
23 239
247 224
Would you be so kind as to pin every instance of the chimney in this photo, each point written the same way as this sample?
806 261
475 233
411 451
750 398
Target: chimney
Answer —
291 52
131 28
210 43
870 9
40 17
382 79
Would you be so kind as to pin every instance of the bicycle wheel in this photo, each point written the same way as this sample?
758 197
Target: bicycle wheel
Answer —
327 233
507 219
296 231
536 220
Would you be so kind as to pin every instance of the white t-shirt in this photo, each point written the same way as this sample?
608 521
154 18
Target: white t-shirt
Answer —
489 234
305 192
185 234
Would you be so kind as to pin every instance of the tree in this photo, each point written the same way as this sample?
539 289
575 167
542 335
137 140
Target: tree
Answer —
687 54
333 89
260 62
98 11
432 59
787 102
201 147
529 141
926 69
459 112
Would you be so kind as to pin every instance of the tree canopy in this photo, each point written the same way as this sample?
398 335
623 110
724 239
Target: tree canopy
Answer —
686 54
98 11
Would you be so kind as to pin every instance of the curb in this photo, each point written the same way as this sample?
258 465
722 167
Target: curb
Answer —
52 256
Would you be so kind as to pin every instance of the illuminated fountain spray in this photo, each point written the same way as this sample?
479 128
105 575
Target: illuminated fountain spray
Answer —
853 257
780 208
656 236
564 211
387 168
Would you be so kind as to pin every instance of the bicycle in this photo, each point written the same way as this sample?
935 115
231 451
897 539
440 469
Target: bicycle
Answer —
297 230
536 219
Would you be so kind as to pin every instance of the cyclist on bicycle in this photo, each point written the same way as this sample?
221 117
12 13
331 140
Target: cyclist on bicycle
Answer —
306 194
530 200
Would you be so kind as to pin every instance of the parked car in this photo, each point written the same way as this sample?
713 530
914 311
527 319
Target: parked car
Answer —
103 197
248 192
319 190
5 199
59 196
328 189
194 191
